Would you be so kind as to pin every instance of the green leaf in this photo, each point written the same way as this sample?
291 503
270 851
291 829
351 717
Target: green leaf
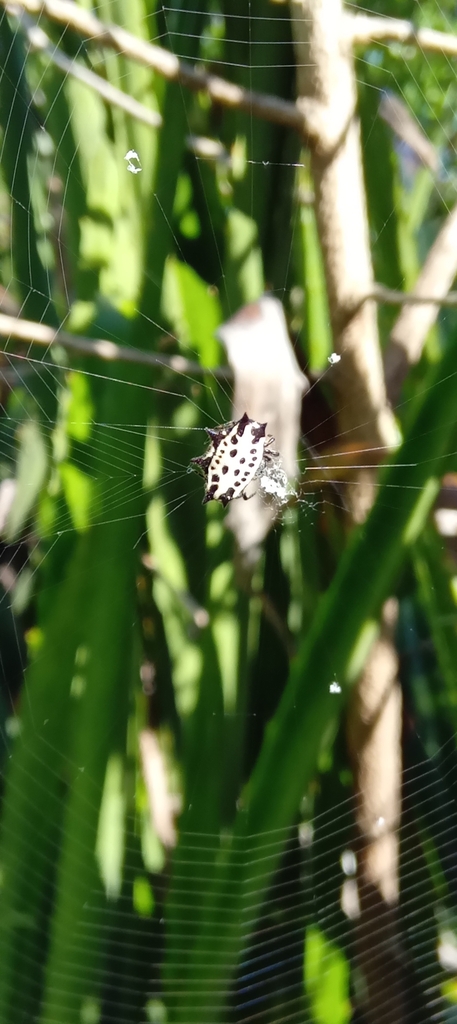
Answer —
143 896
319 332
244 268
32 464
34 798
74 968
326 975
22 167
193 309
79 490
110 836
437 595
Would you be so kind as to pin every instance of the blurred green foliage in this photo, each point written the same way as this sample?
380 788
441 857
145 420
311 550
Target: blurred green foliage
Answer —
123 609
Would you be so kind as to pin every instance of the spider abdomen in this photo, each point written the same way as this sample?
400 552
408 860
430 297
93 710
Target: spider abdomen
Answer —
235 457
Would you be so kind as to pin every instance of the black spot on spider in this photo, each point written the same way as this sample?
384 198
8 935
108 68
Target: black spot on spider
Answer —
216 477
237 472
225 469
234 439
233 453
251 464
242 460
237 483
252 451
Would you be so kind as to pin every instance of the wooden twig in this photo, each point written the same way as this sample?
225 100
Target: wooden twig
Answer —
12 327
108 351
396 113
164 63
415 320
325 77
326 82
360 29
374 728
363 29
202 147
205 148
40 41
390 297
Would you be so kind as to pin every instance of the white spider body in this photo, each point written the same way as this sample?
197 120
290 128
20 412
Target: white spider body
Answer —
237 454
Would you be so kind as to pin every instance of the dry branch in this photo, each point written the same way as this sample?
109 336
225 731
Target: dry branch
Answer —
374 740
202 147
40 334
396 113
40 41
357 29
414 322
326 84
65 12
362 29
374 715
325 77
391 297
14 328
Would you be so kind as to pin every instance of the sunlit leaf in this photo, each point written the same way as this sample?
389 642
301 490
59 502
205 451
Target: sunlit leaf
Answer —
32 465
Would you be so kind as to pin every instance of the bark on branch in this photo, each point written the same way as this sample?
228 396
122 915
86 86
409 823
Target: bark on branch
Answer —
12 327
410 331
356 29
363 29
325 78
41 42
326 86
226 94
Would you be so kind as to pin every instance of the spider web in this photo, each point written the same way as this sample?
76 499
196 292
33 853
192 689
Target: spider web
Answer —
91 445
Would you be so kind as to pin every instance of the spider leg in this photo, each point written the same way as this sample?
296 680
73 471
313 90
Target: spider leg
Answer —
269 452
